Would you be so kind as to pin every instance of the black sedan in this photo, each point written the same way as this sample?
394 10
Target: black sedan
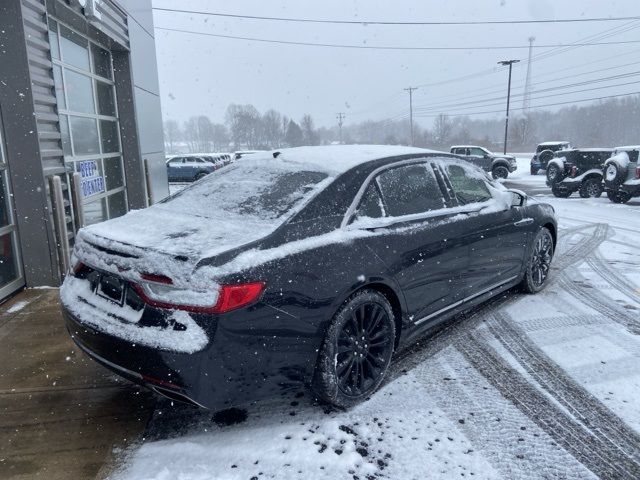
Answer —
309 266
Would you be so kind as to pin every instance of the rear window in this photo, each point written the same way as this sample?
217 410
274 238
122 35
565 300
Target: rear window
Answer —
265 191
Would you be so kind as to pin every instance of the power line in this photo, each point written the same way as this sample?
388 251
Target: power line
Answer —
388 47
378 22
537 106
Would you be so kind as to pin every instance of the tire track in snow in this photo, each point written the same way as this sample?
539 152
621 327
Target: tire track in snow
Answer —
600 303
583 406
577 253
594 452
616 279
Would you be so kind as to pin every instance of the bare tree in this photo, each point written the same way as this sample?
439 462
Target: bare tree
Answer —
172 134
272 128
309 135
442 129
243 122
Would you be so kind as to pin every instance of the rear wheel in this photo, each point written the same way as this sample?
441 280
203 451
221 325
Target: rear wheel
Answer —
614 175
545 156
357 350
539 263
500 171
560 193
618 197
591 188
201 175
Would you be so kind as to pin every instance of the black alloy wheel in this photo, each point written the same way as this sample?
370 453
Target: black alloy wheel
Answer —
500 172
539 263
357 350
591 188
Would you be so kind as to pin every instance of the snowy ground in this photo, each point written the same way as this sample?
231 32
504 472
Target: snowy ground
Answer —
528 386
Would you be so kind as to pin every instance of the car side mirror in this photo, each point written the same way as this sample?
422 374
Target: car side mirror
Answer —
518 198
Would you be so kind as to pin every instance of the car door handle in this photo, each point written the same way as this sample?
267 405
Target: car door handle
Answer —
523 222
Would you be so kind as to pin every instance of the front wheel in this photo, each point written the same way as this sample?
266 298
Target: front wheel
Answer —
616 196
591 188
539 263
500 172
357 350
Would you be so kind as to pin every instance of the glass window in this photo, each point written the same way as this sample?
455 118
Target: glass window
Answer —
95 211
101 61
8 270
75 48
371 203
59 86
409 190
64 133
85 135
477 152
175 161
468 186
113 172
109 136
117 205
53 40
79 92
106 100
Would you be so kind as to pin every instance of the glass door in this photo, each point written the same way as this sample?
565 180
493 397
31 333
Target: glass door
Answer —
11 277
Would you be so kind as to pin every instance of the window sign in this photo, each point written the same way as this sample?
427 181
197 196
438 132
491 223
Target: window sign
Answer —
92 183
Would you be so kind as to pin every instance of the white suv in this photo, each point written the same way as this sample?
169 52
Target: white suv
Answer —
622 174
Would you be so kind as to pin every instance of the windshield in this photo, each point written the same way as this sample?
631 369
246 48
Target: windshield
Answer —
264 190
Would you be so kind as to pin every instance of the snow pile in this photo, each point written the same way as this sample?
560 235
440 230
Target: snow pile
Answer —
16 307
123 322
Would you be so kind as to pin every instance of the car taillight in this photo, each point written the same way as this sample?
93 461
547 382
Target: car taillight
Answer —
638 172
159 291
574 171
77 267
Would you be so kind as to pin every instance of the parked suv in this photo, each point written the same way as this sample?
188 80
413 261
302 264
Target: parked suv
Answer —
499 165
577 170
622 174
545 152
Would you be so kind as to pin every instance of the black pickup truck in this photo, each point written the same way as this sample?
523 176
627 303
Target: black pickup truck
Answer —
577 170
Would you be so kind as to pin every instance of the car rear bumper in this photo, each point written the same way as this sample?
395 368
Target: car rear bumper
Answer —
632 189
232 369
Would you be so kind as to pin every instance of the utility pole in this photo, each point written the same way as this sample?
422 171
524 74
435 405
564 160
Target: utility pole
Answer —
526 102
506 120
340 116
410 90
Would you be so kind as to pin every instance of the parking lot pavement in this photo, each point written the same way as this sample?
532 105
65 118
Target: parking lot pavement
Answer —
61 415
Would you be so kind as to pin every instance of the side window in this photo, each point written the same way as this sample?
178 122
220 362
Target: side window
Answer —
371 203
410 189
175 161
468 186
476 152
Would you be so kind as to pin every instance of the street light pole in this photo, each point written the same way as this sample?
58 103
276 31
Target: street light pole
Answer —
506 120
411 90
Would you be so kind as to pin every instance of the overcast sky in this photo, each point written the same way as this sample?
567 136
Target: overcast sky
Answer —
203 74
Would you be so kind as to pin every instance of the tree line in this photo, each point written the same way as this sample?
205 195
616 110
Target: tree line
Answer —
603 124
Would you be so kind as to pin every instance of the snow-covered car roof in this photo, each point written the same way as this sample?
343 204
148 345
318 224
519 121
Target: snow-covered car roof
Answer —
593 149
627 147
336 159
469 146
557 142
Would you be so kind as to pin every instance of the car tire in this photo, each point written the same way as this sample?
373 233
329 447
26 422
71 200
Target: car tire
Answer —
348 371
614 175
201 175
553 174
560 193
539 262
499 171
591 188
618 197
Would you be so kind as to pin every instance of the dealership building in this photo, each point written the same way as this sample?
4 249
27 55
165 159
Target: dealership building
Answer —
80 127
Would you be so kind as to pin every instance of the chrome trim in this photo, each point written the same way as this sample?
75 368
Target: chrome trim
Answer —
105 361
464 300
